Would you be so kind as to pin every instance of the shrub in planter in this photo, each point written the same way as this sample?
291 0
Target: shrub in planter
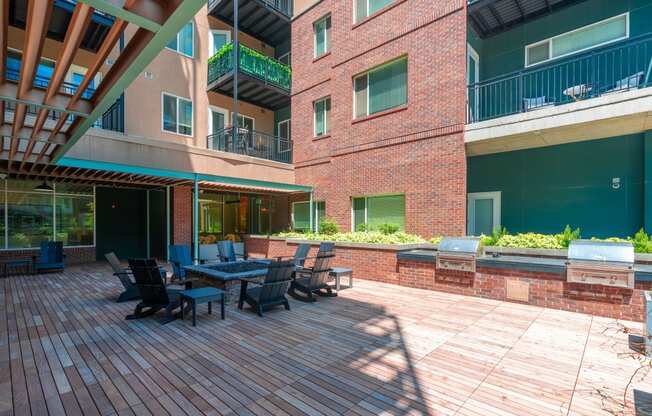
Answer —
328 226
388 228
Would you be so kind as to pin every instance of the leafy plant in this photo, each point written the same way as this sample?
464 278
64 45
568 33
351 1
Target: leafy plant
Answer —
568 235
388 228
496 235
361 228
368 237
328 226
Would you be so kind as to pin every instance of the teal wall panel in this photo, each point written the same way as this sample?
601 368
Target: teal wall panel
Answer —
647 138
280 115
505 53
546 188
121 222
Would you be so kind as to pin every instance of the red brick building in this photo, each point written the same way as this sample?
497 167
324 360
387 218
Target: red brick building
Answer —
413 149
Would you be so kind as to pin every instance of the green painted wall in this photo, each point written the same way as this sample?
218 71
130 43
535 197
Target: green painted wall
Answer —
647 140
505 53
546 188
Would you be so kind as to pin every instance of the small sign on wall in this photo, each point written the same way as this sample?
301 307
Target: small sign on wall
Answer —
615 183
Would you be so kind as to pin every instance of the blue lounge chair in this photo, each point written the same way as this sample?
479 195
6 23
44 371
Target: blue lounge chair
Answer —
51 257
227 252
180 257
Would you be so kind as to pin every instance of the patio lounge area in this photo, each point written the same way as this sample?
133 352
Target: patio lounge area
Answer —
375 349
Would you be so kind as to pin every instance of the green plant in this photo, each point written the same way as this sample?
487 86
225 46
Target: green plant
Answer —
388 228
368 237
568 235
641 241
496 235
361 228
328 226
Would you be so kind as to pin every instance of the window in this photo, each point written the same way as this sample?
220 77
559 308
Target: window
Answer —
217 39
284 129
322 111
365 8
177 115
183 41
301 214
483 213
245 122
66 214
584 38
286 58
369 213
380 89
322 29
217 119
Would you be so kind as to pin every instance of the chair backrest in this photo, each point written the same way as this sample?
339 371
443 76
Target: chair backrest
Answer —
208 252
114 262
301 254
227 252
321 269
326 247
179 257
51 252
149 281
277 281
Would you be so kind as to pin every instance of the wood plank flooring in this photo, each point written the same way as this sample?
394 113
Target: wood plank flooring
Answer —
377 349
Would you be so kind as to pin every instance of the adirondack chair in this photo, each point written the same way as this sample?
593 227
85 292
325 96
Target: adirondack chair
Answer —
326 247
272 291
301 254
314 280
126 278
50 258
209 253
180 257
227 252
154 294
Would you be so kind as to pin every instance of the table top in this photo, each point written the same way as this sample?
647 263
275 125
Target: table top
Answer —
340 270
240 270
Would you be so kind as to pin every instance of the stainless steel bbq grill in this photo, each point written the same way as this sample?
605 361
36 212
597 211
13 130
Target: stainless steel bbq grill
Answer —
601 263
459 253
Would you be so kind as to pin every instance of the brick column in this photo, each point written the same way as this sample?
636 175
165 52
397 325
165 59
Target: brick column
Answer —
181 215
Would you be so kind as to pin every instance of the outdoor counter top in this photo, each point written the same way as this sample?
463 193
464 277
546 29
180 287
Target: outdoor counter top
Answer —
553 265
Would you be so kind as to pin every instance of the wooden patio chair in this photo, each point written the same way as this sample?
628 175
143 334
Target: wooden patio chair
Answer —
273 289
314 280
50 258
126 278
154 294
301 254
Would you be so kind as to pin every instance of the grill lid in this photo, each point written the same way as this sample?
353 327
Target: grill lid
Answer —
461 245
601 251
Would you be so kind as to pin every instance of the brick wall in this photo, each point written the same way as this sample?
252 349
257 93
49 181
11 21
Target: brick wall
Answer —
548 290
181 215
74 255
417 150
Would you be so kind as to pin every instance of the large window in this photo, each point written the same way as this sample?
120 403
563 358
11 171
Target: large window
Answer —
369 213
65 214
183 41
177 115
380 89
301 214
322 29
584 38
365 8
322 116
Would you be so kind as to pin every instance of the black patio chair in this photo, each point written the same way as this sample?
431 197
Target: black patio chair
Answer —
126 278
154 294
314 280
273 289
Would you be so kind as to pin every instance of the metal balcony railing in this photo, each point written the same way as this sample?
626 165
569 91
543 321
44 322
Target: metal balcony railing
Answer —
251 143
252 63
611 69
281 6
40 81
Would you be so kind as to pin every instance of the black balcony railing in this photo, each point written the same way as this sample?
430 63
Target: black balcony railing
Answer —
281 6
611 69
40 81
251 143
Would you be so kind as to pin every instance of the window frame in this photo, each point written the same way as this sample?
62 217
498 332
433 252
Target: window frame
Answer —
471 197
366 74
366 207
192 116
327 47
211 41
278 128
314 117
253 122
286 54
191 56
550 40
357 20
215 109
315 215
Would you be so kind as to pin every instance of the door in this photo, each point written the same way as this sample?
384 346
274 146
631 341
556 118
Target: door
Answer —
217 39
483 213
216 121
472 78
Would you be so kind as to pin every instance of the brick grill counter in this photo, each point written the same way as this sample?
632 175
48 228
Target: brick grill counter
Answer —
540 282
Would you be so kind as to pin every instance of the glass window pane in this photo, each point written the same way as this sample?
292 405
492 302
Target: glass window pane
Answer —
320 211
388 87
30 218
301 215
172 44
360 87
375 5
75 218
185 116
320 107
185 39
538 53
484 216
169 113
590 36
231 211
320 38
219 40
217 121
360 10
284 129
359 219
211 208
386 210
327 115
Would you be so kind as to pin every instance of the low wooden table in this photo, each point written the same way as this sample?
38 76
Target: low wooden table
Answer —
16 264
197 297
338 272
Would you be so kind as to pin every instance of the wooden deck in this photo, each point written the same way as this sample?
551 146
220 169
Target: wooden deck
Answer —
376 349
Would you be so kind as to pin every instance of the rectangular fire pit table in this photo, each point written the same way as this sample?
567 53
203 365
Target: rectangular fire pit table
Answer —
231 277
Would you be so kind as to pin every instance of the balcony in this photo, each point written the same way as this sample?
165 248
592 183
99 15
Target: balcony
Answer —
251 143
262 81
614 69
491 17
267 20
